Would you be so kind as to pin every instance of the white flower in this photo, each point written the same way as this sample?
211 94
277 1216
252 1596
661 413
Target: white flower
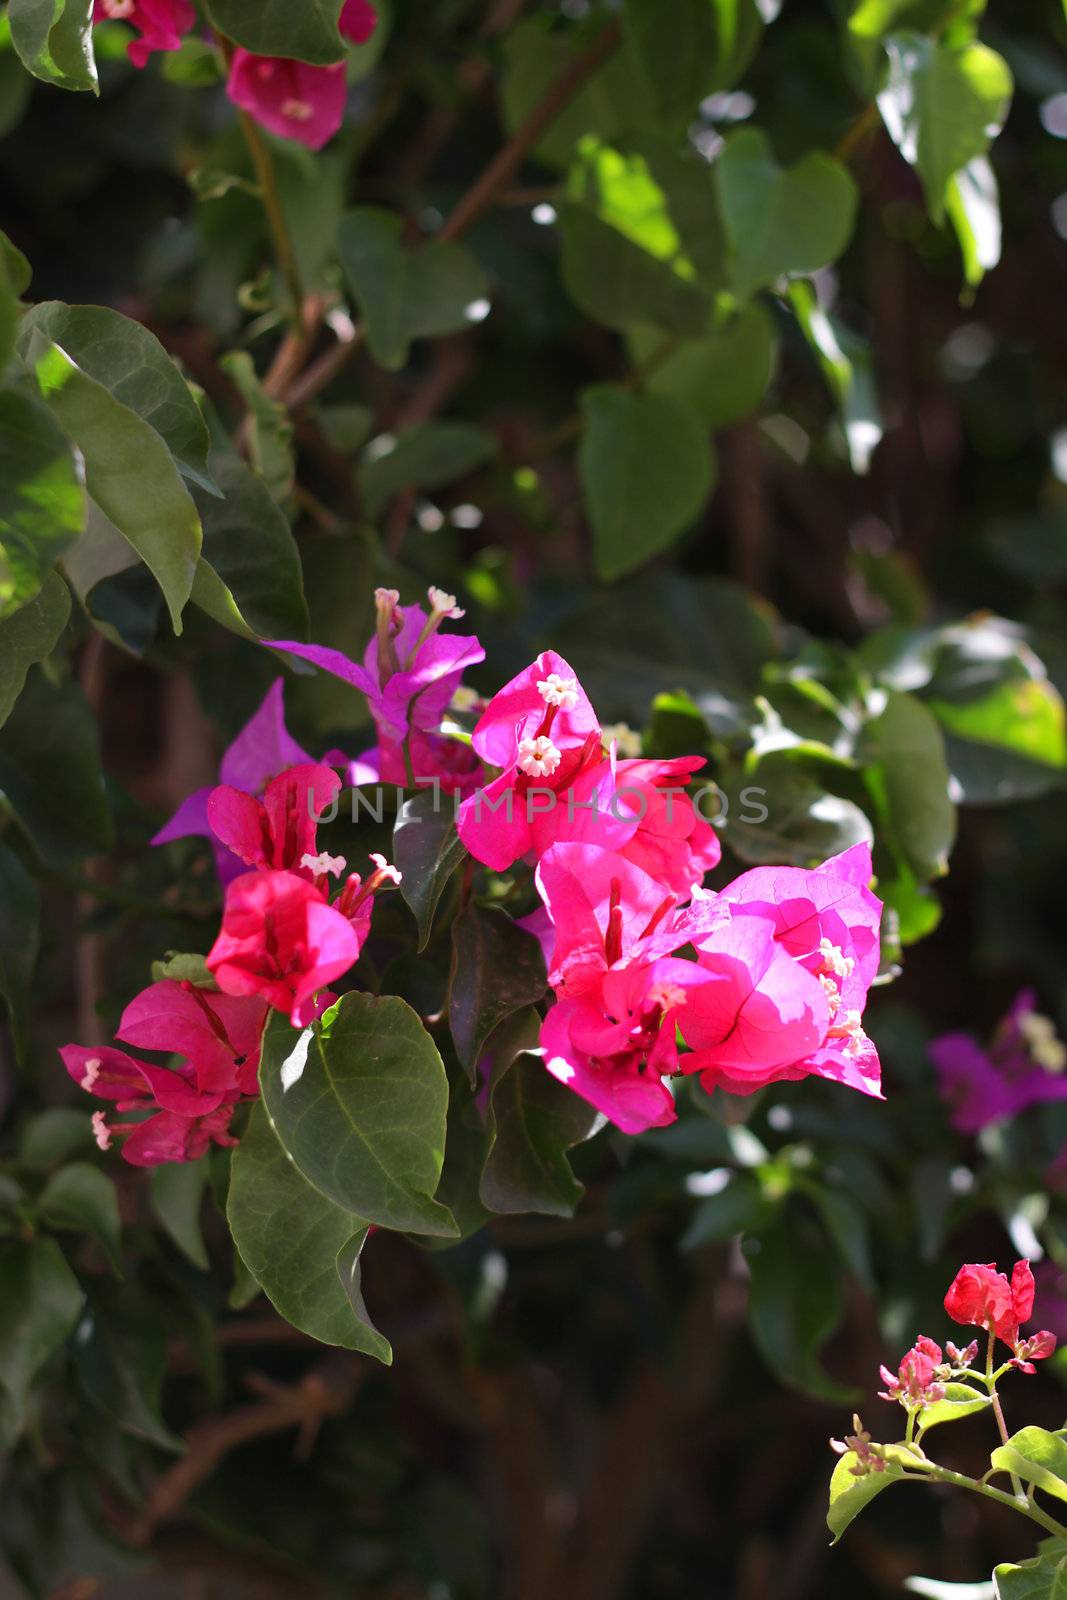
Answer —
92 1072
557 691
323 864
538 757
386 872
101 1131
444 604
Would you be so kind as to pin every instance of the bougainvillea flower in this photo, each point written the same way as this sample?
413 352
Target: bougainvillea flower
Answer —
186 1121
762 1015
672 842
982 1297
218 1034
914 1383
293 99
281 939
279 830
541 730
1023 1066
162 24
436 758
603 909
263 749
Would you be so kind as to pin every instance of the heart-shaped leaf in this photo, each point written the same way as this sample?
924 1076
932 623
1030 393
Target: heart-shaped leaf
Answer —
42 502
304 32
497 969
54 38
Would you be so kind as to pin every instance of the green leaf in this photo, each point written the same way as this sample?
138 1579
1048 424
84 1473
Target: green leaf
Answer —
176 1192
619 282
135 369
1035 1456
1021 714
184 967
972 202
1042 1578
942 106
51 1136
300 1248
848 367
427 850
795 1303
128 471
706 45
270 432
50 772
738 1207
533 1121
909 780
647 468
781 221
40 1302
42 503
849 1494
305 32
359 1104
960 1401
11 261
121 1355
28 636
403 293
54 40
721 377
425 457
81 1198
249 576
497 969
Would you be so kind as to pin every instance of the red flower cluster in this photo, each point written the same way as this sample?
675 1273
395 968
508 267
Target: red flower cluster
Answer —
914 1383
982 1297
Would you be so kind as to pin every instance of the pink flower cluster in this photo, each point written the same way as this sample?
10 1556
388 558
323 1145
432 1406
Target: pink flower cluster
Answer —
290 98
653 976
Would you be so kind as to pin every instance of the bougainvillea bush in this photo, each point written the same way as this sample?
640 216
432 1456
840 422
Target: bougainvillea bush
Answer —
531 765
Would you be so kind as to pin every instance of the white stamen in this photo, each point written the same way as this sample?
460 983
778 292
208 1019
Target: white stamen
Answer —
92 1072
101 1131
1045 1047
323 865
830 990
386 871
538 758
835 960
626 741
557 691
444 604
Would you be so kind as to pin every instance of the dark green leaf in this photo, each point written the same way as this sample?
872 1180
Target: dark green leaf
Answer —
128 471
406 294
54 40
176 1191
497 969
300 1248
20 912
737 1207
647 467
778 811
82 1198
121 1353
721 377
909 779
50 1137
40 1301
306 32
135 369
795 1303
781 221
619 282
704 45
249 577
42 503
425 457
359 1104
50 772
427 850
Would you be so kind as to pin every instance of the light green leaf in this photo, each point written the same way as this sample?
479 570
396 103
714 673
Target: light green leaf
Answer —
40 1301
270 432
781 221
1035 1456
54 40
425 457
299 1247
720 377
28 636
304 32
973 206
960 1401
849 1494
942 106
1042 1578
909 779
135 369
20 914
497 969
405 293
359 1104
647 468
42 502
619 282
81 1198
427 850
50 772
128 471
249 576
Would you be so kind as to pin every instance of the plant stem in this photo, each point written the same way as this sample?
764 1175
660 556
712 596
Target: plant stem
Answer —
267 177
1018 1502
991 1383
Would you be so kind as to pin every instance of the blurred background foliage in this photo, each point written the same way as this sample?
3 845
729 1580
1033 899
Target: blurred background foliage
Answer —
716 396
